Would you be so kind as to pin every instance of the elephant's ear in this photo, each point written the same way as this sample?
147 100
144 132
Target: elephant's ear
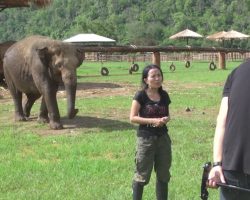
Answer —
44 55
80 55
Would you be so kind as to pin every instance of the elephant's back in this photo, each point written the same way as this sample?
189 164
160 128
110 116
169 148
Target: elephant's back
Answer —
26 45
3 48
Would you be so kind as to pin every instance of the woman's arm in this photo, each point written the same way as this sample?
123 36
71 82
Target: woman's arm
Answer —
135 118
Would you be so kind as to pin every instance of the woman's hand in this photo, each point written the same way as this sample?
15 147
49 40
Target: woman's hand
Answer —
159 122
215 176
166 119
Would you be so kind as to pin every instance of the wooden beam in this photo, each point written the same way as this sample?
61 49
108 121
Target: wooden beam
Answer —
157 49
14 3
23 3
156 58
134 49
222 60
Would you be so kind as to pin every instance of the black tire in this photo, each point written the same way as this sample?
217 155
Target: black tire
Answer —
135 67
187 65
212 66
172 67
104 71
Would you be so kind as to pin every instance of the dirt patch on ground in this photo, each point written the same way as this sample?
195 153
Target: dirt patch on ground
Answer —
83 123
87 89
103 89
95 122
91 89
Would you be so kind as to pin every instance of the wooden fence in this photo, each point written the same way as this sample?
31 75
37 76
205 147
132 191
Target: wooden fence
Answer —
176 56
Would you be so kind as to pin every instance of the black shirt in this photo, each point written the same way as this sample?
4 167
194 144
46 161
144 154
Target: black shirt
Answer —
152 109
236 144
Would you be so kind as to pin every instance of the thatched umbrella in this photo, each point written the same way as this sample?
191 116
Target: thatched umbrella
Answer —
230 35
216 36
219 36
235 35
223 35
186 34
23 3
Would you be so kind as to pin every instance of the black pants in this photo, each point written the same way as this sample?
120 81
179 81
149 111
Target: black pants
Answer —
237 179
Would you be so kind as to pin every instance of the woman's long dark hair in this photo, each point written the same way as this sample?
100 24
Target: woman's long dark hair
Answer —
145 71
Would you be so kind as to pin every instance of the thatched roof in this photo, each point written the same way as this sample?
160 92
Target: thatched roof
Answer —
23 3
235 35
223 35
216 36
186 34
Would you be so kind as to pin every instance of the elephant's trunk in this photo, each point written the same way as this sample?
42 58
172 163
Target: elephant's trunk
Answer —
70 87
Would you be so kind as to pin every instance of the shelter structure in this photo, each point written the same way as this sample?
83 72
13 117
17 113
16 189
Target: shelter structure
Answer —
234 35
186 34
222 36
91 39
216 36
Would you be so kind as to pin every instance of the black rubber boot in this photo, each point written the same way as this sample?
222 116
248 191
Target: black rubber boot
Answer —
161 190
137 190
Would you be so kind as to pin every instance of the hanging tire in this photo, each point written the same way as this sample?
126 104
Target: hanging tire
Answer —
172 67
135 67
212 66
104 71
187 65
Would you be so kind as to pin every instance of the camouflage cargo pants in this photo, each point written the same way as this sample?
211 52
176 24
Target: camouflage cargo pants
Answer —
153 152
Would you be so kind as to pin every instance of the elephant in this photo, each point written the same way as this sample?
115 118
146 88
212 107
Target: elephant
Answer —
3 48
35 66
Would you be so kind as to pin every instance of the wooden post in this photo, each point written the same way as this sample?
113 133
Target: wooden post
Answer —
222 60
156 58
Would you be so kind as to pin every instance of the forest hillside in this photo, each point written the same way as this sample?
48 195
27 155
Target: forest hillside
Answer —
139 22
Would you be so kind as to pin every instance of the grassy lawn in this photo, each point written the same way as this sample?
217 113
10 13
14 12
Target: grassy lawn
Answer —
93 157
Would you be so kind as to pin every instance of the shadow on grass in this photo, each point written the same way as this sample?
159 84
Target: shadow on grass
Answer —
95 122
110 75
92 85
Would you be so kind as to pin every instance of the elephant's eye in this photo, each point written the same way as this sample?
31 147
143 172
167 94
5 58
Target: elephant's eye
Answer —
57 52
58 65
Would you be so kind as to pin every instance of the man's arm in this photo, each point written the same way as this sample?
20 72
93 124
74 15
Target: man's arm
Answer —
216 174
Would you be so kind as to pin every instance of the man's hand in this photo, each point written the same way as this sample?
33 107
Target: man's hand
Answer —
215 176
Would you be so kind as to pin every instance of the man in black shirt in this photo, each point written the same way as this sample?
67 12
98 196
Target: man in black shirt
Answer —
232 136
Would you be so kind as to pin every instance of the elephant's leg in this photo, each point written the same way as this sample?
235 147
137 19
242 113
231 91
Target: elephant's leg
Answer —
49 108
52 117
43 116
52 107
17 98
27 105
19 115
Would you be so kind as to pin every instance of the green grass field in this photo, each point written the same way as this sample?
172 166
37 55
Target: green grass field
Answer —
93 157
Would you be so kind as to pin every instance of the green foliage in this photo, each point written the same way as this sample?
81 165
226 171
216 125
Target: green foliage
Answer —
129 22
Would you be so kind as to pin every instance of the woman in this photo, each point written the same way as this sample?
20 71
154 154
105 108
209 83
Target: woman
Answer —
150 109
